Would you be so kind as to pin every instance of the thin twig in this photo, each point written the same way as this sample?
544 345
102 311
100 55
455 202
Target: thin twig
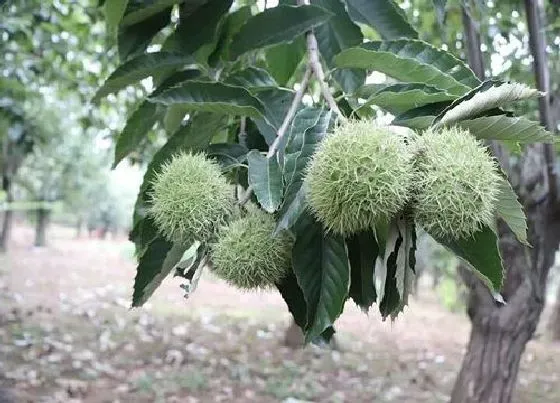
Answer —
315 61
291 112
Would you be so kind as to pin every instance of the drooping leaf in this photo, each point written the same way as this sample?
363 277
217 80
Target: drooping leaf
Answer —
277 25
321 267
307 130
139 68
405 263
194 136
265 177
282 60
212 97
489 95
385 16
197 33
133 40
362 254
114 11
293 295
399 98
482 253
507 128
336 34
389 241
422 117
155 264
276 103
228 155
510 210
411 61
139 14
251 78
136 128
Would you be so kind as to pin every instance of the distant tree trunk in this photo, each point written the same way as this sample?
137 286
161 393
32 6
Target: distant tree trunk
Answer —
554 324
41 227
79 227
8 215
500 332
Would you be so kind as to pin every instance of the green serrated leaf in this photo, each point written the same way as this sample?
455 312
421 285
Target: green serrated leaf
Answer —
510 210
405 262
482 253
293 296
282 60
502 127
320 264
140 14
389 241
265 177
420 118
411 61
136 128
362 255
307 130
212 97
173 118
114 11
385 16
251 78
202 28
228 155
399 98
276 103
276 25
139 68
336 34
231 26
155 264
133 40
487 96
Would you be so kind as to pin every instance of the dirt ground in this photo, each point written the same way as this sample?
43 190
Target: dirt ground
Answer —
67 335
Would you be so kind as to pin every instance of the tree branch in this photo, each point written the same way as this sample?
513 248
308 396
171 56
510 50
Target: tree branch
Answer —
537 41
315 61
313 52
284 126
291 112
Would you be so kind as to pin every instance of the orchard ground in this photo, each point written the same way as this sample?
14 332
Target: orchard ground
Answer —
67 334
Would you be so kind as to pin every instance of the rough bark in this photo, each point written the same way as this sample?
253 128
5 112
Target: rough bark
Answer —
41 227
500 332
8 215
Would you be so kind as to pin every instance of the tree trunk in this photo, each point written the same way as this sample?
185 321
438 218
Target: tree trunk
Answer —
41 227
500 332
79 227
554 324
8 215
